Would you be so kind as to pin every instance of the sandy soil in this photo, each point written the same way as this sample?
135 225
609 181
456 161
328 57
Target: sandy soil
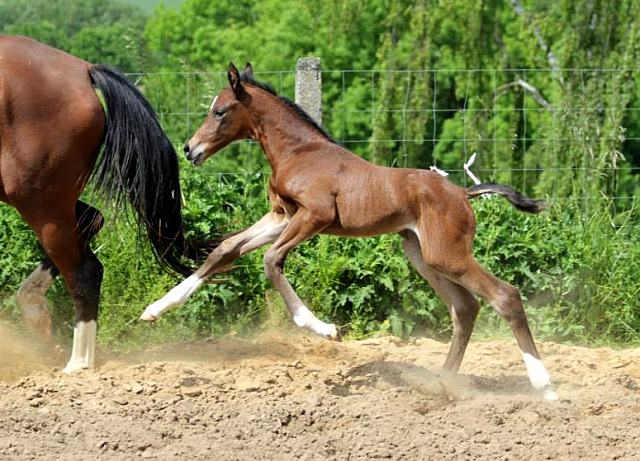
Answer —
291 396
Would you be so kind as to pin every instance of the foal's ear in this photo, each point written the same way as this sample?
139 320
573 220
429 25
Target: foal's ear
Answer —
248 71
234 79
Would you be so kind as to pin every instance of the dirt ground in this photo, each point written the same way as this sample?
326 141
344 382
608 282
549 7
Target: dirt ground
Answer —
292 396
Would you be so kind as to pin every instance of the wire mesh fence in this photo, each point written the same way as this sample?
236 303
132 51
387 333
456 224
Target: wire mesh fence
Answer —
540 130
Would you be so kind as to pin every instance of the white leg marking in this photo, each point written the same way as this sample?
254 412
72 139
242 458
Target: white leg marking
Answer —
84 347
266 230
538 375
90 332
304 318
176 297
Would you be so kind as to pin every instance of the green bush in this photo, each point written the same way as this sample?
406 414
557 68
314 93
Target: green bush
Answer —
577 272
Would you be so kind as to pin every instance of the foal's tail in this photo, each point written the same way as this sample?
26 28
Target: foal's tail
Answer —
518 200
138 164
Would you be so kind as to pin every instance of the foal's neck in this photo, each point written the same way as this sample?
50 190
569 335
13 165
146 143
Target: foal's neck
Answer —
281 132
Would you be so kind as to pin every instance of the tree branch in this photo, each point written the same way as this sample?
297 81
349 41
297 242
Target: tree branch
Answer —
553 62
535 93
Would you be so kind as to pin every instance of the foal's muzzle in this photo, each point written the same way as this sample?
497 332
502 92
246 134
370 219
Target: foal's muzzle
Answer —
195 156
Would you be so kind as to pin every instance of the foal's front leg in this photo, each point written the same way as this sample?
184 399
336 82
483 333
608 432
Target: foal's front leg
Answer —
303 225
263 232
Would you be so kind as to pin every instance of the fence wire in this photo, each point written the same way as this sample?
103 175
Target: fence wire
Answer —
443 116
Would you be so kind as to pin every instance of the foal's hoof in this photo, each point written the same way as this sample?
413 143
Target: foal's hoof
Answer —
148 317
334 334
73 368
549 395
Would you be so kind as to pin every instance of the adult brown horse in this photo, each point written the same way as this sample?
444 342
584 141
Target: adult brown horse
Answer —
52 128
317 186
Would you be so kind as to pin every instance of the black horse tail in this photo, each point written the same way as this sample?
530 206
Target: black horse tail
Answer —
138 164
514 197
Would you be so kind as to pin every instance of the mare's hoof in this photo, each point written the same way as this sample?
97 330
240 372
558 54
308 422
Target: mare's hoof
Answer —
335 334
36 314
148 317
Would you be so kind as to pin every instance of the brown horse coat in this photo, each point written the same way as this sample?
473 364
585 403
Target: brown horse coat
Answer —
52 126
317 186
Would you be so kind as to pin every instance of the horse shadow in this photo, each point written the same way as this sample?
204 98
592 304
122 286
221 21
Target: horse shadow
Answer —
404 375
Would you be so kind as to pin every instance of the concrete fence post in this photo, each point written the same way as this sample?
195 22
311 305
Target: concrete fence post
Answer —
309 87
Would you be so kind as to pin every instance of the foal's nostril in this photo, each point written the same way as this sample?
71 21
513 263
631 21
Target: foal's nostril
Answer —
186 148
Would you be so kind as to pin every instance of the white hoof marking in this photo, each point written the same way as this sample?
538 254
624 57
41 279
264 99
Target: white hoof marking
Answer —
148 317
304 318
84 347
537 372
549 395
176 297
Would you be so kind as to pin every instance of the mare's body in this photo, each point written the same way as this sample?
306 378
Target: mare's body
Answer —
52 127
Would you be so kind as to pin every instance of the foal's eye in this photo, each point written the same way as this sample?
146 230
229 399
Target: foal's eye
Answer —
220 112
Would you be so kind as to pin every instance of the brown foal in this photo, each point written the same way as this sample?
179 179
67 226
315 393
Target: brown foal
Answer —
318 187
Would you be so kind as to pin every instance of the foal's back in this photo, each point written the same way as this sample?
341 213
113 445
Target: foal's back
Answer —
370 199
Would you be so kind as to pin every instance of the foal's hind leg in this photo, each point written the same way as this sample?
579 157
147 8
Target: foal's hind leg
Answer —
505 299
463 306
31 296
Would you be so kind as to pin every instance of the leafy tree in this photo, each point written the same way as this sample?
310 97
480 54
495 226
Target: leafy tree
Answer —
101 31
43 31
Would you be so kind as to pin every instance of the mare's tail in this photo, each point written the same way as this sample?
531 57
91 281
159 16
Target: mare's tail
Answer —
138 164
514 197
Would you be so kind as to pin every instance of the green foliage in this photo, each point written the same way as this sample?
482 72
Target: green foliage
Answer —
366 285
576 271
405 83
150 5
100 31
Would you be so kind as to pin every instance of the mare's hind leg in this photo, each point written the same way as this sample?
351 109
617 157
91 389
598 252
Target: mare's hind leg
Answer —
32 300
31 296
56 226
463 306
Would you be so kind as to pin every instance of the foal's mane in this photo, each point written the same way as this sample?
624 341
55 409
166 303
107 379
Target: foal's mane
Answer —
295 107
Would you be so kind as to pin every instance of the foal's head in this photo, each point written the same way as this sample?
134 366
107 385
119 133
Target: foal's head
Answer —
228 119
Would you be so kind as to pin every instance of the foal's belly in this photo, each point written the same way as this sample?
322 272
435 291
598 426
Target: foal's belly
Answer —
364 226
